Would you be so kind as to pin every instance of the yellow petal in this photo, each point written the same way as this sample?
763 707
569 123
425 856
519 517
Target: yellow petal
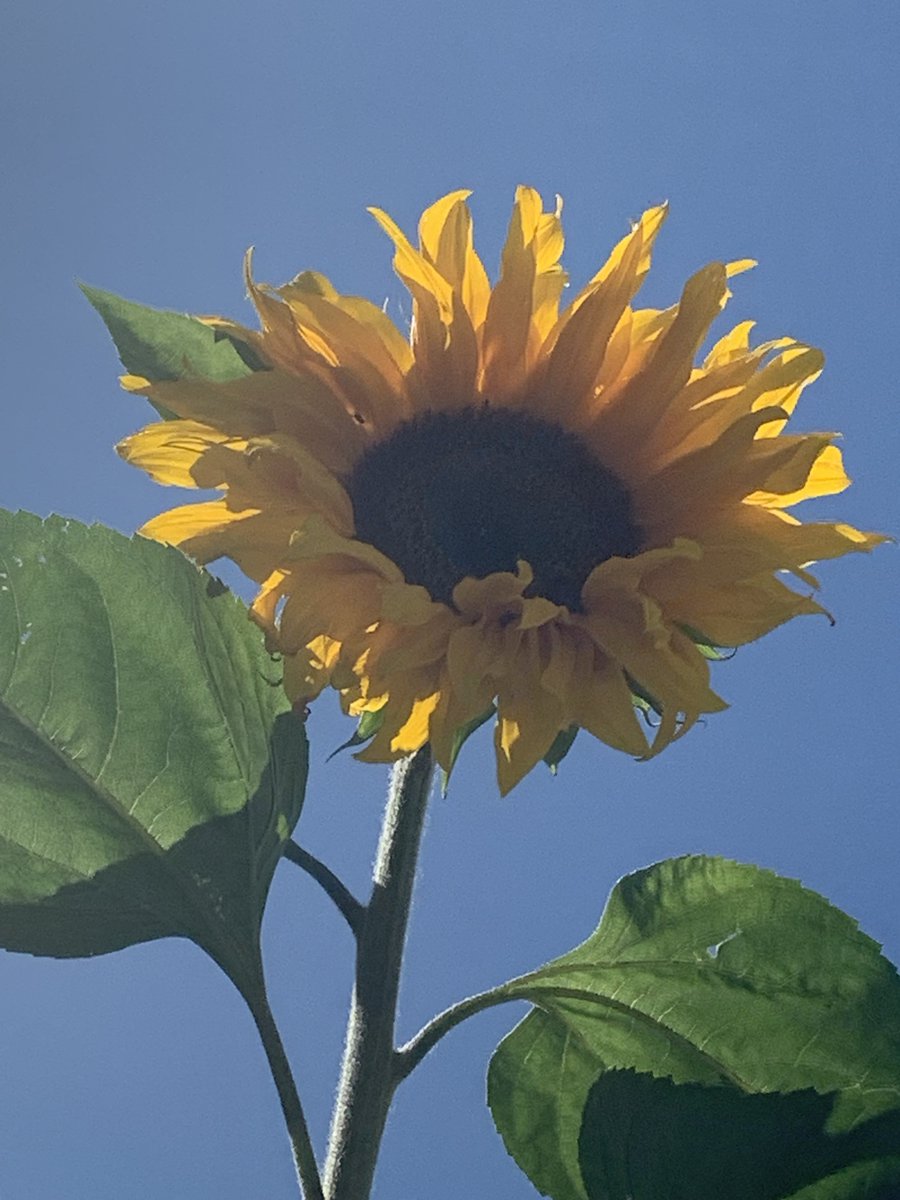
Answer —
624 423
528 716
575 360
170 450
511 340
647 227
445 235
780 383
268 402
475 597
600 702
317 538
826 478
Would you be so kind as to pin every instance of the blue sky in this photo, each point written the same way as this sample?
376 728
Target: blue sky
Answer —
144 147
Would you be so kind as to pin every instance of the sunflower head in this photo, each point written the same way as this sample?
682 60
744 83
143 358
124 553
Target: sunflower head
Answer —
554 517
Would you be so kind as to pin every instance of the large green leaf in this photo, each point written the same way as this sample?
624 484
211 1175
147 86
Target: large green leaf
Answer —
645 1138
163 345
704 971
150 768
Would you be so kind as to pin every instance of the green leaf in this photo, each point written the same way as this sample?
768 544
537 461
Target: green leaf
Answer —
705 971
150 768
162 345
644 1138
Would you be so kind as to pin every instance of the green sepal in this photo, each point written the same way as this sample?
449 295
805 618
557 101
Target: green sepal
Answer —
462 735
643 700
163 346
707 647
562 744
368 726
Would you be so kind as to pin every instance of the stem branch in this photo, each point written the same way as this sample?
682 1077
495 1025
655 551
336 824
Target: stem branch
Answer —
347 904
368 1075
409 1056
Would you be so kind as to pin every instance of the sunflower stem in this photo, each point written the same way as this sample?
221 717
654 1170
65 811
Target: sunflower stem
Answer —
368 1074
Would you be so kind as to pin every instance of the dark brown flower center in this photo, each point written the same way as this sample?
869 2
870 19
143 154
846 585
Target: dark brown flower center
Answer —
471 492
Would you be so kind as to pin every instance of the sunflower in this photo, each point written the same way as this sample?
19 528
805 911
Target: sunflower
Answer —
553 516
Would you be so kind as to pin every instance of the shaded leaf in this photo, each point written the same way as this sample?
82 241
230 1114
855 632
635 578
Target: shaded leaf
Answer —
644 1138
150 768
163 345
705 971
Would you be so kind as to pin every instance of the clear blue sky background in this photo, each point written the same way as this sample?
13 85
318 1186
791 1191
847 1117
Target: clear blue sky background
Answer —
145 145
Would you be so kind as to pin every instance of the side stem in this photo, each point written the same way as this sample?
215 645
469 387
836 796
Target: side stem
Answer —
368 1076
294 1119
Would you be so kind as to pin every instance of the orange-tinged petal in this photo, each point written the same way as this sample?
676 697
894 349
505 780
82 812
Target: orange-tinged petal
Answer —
414 268
675 499
446 354
363 364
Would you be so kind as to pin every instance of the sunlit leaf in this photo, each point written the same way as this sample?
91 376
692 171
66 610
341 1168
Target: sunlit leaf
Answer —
162 345
704 971
150 770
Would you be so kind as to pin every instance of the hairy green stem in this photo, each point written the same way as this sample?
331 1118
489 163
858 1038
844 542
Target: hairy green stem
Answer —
410 1055
301 1143
368 1074
347 904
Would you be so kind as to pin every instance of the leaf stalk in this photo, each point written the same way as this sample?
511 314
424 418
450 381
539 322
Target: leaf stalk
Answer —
347 904
294 1118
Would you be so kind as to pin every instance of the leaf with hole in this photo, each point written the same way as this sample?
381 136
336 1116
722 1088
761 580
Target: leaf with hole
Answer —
703 971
